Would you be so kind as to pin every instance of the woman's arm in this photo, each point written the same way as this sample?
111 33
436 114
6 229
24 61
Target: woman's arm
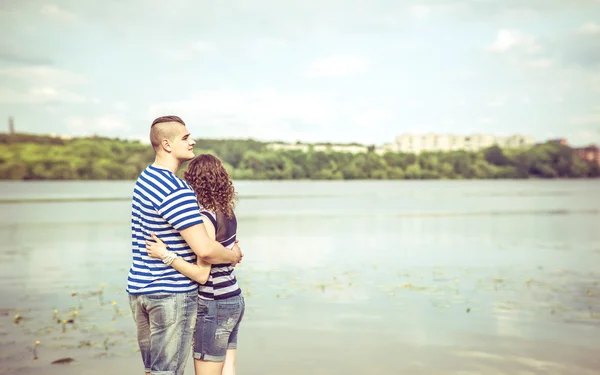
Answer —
198 272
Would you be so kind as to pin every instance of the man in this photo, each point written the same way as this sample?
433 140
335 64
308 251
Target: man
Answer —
162 300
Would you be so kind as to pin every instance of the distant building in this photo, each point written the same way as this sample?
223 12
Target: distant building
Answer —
61 136
288 147
353 149
590 153
416 143
560 141
411 143
11 125
387 147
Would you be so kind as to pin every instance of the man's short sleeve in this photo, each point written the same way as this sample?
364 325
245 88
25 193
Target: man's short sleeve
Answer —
180 209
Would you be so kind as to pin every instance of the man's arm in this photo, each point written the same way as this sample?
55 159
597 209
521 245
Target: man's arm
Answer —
198 272
208 249
181 210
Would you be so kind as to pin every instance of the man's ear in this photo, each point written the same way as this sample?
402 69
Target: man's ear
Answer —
166 145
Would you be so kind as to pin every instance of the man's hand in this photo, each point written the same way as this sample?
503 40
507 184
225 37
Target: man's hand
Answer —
209 250
238 250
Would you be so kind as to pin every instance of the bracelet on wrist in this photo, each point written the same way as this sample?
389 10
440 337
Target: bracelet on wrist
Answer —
169 258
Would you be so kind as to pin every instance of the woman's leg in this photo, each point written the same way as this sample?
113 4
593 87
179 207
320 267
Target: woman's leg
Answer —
207 367
229 367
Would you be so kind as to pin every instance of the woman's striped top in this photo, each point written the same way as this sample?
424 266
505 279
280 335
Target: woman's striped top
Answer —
221 282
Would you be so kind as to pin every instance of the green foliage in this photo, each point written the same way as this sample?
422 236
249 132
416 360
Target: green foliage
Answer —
495 156
24 156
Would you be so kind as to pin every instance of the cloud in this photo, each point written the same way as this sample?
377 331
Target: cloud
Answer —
54 12
23 59
261 45
542 63
262 113
507 9
556 97
43 75
497 101
510 40
420 10
582 138
595 82
121 106
590 28
111 124
521 49
337 66
580 48
188 51
525 99
487 120
425 10
273 115
212 19
45 95
289 19
587 119
369 118
576 48
40 84
251 46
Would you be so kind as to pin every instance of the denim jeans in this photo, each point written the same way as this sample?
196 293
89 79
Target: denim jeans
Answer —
217 327
165 325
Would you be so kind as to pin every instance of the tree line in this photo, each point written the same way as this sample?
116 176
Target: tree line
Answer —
39 157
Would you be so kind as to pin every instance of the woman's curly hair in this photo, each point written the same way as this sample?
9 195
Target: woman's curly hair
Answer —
212 184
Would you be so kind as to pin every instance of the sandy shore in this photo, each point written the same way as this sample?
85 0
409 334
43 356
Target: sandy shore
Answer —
276 351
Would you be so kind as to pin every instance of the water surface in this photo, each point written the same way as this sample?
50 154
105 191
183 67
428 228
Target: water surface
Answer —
420 277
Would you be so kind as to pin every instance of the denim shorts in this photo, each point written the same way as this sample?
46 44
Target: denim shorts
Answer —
217 327
165 323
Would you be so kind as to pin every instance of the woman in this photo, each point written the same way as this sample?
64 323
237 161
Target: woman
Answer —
220 301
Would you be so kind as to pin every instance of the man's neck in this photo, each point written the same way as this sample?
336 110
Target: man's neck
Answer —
163 163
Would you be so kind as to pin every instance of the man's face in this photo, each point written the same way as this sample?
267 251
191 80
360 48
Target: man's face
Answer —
182 144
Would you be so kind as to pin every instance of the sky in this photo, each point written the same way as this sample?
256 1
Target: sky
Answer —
363 71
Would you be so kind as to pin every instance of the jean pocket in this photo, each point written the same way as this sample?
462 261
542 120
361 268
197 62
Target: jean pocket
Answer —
228 314
162 309
202 307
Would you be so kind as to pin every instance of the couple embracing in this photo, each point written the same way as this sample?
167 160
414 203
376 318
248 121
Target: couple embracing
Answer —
182 288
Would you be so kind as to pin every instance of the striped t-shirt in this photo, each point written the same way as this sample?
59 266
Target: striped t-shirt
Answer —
162 204
221 282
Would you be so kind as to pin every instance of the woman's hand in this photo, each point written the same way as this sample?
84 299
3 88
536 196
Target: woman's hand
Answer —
156 249
236 246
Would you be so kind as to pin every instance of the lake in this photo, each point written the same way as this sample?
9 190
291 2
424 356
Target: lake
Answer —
340 277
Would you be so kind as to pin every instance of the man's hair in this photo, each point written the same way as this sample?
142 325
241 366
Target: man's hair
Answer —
167 119
161 128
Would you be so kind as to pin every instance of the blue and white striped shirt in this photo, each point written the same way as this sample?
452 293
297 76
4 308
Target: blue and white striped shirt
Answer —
162 204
